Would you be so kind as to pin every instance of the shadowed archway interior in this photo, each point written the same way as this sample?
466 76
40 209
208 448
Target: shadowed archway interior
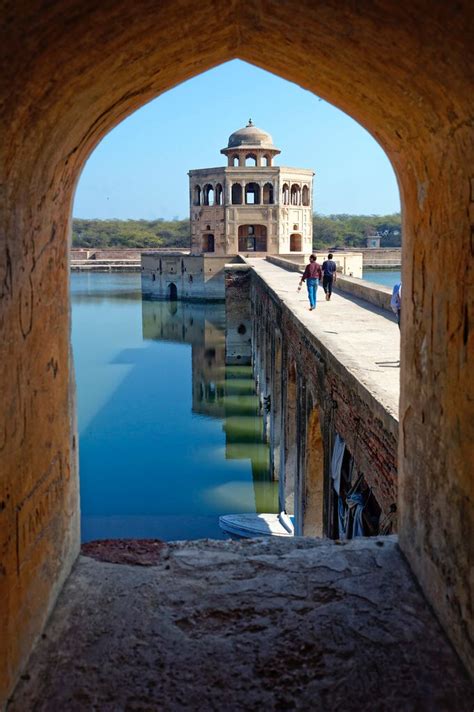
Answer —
402 69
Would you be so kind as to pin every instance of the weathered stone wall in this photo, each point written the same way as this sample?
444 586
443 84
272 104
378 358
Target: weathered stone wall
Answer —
382 258
199 278
93 254
70 72
343 403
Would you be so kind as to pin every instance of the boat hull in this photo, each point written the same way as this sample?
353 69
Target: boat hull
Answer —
253 525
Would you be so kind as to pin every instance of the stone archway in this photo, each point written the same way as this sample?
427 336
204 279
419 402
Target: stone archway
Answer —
403 71
252 238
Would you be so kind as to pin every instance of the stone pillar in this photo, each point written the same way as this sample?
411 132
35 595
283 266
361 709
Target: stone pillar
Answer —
313 487
276 406
39 494
290 457
436 495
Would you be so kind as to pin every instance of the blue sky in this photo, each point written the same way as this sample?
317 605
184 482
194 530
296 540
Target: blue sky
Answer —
139 170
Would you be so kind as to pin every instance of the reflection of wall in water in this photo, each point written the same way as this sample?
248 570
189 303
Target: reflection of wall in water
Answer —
227 392
202 326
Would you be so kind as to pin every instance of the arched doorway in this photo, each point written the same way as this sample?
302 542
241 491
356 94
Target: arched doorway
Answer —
295 242
252 238
172 292
208 242
419 111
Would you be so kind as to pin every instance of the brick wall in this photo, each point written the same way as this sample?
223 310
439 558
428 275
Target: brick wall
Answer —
346 406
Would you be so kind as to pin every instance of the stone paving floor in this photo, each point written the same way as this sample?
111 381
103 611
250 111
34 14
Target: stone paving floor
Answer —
364 338
272 624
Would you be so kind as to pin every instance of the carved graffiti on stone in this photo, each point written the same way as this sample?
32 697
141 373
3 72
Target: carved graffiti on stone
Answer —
39 508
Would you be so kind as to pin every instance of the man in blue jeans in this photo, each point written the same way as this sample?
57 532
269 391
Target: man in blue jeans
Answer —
311 275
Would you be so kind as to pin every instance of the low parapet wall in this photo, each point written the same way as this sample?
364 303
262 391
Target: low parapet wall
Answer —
120 253
285 263
348 263
373 293
382 257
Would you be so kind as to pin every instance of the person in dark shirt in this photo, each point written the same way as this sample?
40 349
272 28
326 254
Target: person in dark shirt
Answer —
329 275
311 275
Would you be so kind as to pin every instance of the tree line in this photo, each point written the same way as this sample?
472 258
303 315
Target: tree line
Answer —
328 231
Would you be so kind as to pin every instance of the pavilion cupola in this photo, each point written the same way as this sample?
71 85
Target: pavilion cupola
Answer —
250 146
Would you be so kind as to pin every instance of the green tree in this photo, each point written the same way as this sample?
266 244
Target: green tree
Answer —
339 230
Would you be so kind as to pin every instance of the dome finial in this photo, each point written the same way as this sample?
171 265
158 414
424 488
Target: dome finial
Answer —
250 123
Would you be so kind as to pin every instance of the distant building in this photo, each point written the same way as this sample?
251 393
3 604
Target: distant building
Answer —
248 207
374 240
251 205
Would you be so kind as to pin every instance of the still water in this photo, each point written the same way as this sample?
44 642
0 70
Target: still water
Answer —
170 437
387 277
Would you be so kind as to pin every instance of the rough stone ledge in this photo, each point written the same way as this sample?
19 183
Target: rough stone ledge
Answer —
274 624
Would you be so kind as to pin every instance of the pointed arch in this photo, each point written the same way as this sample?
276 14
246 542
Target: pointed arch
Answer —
305 195
268 194
236 194
295 194
252 194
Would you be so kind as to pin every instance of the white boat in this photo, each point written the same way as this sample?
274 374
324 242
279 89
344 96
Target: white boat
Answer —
254 525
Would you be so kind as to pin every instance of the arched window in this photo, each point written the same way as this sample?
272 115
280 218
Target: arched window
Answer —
295 195
305 195
251 159
234 161
285 192
267 160
218 194
208 194
197 195
208 242
268 194
236 194
252 194
295 243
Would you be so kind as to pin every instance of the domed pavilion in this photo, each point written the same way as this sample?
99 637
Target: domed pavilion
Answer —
251 205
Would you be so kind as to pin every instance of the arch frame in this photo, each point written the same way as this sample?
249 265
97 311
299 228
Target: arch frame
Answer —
66 98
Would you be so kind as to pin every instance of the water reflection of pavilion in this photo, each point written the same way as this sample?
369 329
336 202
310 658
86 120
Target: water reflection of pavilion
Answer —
226 392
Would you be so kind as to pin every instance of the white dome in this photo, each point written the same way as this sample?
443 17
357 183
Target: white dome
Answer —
250 136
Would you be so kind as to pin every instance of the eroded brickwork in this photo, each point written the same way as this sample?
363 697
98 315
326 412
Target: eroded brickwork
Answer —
346 406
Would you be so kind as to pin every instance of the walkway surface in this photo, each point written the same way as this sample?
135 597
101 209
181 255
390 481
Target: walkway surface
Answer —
364 338
253 625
